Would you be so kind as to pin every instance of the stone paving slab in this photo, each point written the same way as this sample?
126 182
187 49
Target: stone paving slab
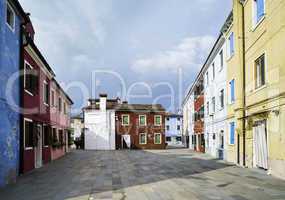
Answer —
142 175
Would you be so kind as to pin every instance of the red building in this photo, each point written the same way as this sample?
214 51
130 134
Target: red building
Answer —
142 124
45 117
199 140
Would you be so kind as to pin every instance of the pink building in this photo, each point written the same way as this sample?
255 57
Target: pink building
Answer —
45 120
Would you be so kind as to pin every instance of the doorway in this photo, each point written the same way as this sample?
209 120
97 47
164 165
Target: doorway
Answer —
39 147
126 141
260 151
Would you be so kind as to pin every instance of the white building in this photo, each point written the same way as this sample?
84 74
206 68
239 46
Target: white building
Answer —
77 126
188 118
173 129
99 120
215 91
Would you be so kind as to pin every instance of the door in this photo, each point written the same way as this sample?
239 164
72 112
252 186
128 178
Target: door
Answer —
39 147
260 145
126 141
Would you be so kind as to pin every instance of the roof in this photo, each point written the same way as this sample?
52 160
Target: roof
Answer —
140 107
111 104
173 115
114 104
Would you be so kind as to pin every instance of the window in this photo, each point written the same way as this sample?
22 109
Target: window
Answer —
178 118
214 104
207 78
231 45
208 108
46 93
143 138
214 72
222 98
64 108
167 118
29 130
125 120
178 127
59 104
10 17
157 138
260 72
232 133
168 139
221 60
157 120
142 120
52 98
30 79
61 137
46 135
232 91
178 139
167 127
259 10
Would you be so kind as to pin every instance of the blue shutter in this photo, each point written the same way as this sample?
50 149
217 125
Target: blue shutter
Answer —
232 83
232 133
260 9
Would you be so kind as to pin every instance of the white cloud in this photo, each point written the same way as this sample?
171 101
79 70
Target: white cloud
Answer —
187 55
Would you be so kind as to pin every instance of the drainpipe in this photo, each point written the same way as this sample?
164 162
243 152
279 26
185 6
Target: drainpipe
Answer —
244 85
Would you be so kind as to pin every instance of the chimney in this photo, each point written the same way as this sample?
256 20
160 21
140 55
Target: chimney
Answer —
103 102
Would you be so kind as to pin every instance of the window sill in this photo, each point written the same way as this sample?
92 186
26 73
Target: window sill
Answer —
258 89
29 148
11 28
28 92
257 24
230 57
46 104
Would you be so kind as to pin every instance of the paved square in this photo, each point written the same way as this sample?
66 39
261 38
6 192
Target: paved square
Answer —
162 174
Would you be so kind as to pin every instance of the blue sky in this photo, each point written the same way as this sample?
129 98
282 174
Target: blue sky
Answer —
148 43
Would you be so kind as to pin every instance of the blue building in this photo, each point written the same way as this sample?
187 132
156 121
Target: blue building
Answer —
173 129
12 17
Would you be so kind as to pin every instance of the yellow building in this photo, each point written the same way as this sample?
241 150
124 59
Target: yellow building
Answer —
255 35
264 29
233 32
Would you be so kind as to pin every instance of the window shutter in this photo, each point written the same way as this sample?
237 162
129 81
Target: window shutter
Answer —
232 139
260 9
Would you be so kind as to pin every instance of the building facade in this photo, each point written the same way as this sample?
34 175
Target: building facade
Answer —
99 124
215 86
264 31
111 124
173 129
77 126
199 114
188 118
253 88
140 125
45 117
12 17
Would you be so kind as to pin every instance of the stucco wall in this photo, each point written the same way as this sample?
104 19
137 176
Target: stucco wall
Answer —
99 130
9 123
